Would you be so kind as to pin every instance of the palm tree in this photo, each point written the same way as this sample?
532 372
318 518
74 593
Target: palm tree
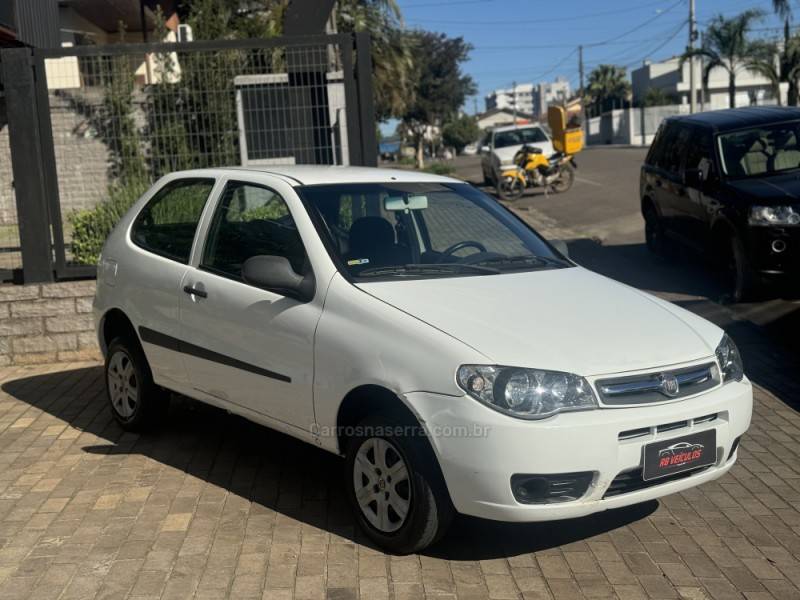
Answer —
608 84
783 9
392 59
725 45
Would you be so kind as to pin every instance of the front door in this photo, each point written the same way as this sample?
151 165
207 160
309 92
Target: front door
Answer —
243 345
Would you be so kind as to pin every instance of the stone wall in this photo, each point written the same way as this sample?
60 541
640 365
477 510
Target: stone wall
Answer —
82 161
47 323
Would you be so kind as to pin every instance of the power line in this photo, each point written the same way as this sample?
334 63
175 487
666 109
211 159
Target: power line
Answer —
551 20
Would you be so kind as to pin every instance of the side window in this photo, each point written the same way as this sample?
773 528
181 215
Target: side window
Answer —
657 147
166 226
251 220
699 153
675 144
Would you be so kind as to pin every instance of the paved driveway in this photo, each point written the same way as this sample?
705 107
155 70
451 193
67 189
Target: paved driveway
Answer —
212 506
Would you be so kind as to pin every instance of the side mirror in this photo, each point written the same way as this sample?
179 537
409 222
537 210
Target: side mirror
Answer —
275 273
561 246
485 149
694 178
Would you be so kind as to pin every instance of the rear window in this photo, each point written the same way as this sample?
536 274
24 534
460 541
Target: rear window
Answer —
516 137
166 226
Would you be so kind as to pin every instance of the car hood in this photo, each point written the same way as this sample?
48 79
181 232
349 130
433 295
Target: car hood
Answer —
506 155
561 319
775 189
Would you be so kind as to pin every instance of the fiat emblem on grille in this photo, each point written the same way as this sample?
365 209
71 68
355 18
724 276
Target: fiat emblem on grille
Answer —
669 384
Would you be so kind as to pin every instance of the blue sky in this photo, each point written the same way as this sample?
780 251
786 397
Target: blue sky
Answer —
536 40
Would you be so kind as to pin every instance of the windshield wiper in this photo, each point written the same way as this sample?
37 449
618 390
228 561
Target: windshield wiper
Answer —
524 259
427 269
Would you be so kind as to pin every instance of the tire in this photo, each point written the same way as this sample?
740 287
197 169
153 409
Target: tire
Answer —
743 280
565 180
375 452
654 231
136 402
510 188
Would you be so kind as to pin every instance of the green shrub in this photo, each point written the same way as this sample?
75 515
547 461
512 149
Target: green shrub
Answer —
439 168
90 227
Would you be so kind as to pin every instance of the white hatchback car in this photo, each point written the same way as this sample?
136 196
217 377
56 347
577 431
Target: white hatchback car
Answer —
502 143
413 325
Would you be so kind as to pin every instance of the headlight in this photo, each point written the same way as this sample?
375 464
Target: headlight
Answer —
730 361
774 215
526 393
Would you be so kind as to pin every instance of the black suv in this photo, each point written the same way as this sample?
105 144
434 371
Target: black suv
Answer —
728 184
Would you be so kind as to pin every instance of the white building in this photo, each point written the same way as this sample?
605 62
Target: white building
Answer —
519 97
547 93
495 117
669 76
529 98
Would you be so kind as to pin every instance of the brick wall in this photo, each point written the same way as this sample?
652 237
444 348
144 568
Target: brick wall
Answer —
47 323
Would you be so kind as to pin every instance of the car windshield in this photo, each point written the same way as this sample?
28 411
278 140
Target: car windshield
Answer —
516 137
424 230
760 151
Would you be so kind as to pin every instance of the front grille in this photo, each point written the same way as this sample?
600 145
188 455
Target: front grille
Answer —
631 434
658 387
632 481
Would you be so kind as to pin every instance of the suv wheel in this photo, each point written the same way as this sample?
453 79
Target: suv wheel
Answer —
654 231
136 402
395 487
742 277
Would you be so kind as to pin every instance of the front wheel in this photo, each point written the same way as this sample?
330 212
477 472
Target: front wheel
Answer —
395 486
510 188
566 177
742 277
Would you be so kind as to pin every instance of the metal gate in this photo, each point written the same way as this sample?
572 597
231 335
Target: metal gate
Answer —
91 127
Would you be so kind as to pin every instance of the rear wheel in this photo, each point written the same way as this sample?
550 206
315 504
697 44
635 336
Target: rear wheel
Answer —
654 231
136 402
395 487
510 188
566 177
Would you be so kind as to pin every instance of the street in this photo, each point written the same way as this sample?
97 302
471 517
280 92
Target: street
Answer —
212 506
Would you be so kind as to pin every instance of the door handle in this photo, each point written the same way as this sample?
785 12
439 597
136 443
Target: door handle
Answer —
195 292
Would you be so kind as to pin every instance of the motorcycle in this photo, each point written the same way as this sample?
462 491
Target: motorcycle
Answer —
533 169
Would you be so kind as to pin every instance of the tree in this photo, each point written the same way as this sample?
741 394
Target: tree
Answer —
608 86
392 62
439 87
726 46
788 59
658 97
460 131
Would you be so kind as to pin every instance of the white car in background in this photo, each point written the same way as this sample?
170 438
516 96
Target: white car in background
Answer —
377 314
502 143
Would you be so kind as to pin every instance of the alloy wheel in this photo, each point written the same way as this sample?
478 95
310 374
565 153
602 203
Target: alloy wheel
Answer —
123 385
382 484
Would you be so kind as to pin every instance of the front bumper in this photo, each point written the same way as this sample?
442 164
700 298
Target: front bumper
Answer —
774 251
480 449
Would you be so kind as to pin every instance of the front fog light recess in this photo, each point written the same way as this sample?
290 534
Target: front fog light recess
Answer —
526 393
730 361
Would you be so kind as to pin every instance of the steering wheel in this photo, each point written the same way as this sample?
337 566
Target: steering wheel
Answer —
465 244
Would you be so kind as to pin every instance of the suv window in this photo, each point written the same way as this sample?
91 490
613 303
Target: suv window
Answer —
166 226
699 152
673 147
251 220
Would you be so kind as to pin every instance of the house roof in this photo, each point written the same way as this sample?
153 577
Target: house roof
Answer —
510 112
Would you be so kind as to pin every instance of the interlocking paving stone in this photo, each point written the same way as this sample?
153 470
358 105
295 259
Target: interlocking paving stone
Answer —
211 506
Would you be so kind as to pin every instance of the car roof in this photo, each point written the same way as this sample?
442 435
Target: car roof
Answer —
512 127
738 118
329 174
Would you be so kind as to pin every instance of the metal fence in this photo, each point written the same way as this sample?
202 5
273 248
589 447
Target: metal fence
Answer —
110 120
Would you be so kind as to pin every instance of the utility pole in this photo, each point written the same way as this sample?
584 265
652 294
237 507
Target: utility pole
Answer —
580 70
692 37
514 99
